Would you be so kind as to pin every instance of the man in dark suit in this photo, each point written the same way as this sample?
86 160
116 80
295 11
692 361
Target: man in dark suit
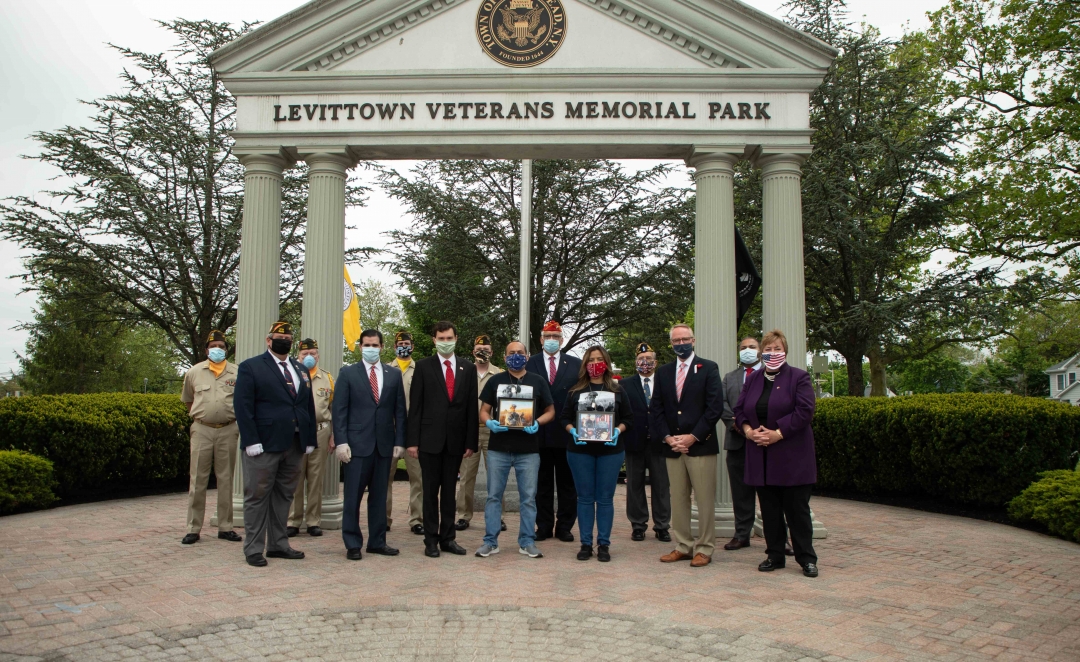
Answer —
561 372
743 497
687 405
642 453
369 422
275 411
443 428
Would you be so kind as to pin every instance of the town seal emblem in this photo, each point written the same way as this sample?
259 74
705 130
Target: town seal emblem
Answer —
521 33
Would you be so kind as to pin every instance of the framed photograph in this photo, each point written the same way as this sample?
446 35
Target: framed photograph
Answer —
516 406
596 416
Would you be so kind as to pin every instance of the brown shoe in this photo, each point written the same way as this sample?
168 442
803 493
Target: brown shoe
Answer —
674 556
737 543
700 561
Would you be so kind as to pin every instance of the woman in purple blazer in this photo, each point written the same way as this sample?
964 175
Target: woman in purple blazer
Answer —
774 412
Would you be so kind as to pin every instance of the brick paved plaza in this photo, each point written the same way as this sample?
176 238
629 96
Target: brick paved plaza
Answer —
111 581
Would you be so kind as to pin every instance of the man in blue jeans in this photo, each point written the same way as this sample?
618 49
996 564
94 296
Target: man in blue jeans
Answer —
513 443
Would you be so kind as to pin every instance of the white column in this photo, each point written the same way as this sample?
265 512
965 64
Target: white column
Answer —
324 284
260 274
783 283
715 301
525 253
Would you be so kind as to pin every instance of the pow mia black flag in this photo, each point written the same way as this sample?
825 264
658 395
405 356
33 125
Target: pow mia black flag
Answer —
747 278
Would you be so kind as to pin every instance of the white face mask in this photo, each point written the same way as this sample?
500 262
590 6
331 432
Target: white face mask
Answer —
748 356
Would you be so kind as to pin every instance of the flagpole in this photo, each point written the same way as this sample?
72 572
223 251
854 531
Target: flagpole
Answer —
525 252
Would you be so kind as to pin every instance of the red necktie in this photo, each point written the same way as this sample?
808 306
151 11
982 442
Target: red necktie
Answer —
552 370
749 371
449 380
374 385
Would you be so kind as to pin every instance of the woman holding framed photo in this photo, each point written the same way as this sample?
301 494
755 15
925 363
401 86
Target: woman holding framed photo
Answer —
597 412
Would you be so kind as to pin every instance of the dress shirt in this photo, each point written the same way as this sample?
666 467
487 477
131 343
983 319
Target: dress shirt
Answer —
757 366
378 374
292 371
453 366
689 365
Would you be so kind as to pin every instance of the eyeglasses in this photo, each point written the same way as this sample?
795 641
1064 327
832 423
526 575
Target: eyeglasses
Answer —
682 341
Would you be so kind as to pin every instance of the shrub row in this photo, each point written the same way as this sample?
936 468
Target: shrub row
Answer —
963 448
102 441
1053 501
26 482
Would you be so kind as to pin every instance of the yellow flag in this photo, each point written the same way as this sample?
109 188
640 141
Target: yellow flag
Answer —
350 322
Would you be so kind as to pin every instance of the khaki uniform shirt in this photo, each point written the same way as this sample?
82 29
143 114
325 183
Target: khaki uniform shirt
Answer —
481 382
210 397
406 378
322 384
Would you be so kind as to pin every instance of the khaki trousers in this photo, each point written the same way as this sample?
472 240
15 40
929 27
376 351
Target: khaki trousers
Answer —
697 474
211 447
307 501
416 492
467 483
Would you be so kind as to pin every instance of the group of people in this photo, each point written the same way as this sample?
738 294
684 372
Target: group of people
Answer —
441 413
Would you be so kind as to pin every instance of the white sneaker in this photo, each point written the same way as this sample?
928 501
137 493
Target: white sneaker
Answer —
486 551
531 551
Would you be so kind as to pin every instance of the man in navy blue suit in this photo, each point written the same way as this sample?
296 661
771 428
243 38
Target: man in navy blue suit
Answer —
369 424
275 411
561 372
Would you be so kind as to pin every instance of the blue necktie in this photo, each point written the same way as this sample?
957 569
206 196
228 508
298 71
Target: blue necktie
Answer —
648 391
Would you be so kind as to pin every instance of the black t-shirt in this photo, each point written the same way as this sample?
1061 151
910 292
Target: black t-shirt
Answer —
624 415
516 441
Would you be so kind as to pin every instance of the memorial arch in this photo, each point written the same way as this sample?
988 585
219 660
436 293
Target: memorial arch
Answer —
711 82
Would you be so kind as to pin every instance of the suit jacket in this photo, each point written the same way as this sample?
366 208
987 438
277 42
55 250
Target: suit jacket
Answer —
265 411
437 424
639 437
362 423
733 386
554 435
697 413
792 460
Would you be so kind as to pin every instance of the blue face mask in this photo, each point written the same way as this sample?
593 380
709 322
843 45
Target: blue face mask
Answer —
309 361
404 352
371 354
551 346
683 351
216 354
516 361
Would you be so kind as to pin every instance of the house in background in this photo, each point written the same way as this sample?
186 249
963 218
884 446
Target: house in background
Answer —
1065 380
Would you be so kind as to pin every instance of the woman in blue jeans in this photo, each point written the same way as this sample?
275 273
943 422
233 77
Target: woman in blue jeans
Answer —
596 455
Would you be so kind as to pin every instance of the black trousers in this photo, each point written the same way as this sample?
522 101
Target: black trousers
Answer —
371 473
555 475
637 506
743 496
794 503
439 479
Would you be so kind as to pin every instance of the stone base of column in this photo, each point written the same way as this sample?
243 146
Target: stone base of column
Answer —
332 507
238 513
820 532
725 522
511 501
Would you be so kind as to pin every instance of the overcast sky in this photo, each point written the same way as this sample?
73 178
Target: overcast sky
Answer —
53 53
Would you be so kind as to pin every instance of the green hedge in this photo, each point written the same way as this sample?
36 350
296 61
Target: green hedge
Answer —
102 441
1053 501
963 448
26 482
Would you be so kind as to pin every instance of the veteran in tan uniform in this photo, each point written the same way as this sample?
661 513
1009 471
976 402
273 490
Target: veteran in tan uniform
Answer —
307 502
208 394
403 347
471 465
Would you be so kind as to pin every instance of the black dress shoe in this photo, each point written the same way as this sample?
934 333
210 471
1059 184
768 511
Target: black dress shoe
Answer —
417 529
314 531
383 551
737 543
431 549
565 536
256 560
190 539
788 551
810 570
292 531
452 547
285 554
502 525
231 536
461 525
354 554
542 535
637 535
768 565
585 553
603 555
663 536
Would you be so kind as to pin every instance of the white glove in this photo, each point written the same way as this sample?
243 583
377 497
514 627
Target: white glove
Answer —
253 450
343 452
399 452
307 451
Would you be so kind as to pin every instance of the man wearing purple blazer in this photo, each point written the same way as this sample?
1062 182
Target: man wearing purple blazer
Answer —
774 413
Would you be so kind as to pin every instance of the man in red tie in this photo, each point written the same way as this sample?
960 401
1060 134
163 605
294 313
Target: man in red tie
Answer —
443 428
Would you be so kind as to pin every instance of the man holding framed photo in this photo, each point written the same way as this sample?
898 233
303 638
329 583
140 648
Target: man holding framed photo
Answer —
510 400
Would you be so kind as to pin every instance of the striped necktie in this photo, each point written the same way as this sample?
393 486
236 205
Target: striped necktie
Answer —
680 380
374 385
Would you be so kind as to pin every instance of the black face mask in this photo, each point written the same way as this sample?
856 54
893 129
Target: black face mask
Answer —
280 345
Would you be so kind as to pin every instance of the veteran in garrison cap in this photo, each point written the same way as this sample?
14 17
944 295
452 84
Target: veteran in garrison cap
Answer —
403 347
643 453
307 501
208 394
485 370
